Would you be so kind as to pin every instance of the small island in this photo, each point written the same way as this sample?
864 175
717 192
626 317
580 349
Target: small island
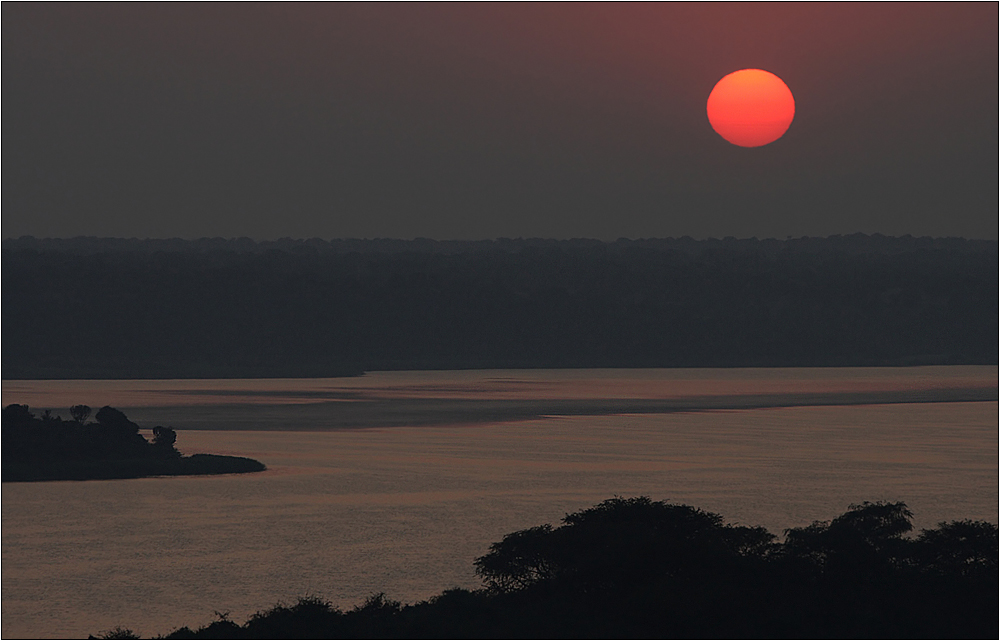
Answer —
48 448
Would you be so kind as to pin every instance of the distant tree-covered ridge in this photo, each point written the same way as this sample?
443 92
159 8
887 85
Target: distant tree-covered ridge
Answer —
47 448
211 308
636 568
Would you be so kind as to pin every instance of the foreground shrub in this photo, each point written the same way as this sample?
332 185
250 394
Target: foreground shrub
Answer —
636 568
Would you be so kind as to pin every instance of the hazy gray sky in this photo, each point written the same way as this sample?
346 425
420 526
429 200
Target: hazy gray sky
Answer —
479 121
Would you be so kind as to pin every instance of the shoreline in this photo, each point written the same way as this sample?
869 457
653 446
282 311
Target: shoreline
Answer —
109 470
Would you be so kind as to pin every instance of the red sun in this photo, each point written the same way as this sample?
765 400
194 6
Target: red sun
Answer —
751 107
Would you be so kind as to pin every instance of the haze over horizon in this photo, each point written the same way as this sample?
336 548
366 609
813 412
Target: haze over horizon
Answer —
488 121
434 273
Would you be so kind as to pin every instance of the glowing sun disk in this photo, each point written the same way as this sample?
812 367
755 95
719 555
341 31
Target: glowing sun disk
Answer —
751 107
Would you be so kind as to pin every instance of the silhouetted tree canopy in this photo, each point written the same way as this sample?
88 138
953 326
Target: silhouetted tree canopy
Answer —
641 540
108 416
17 415
164 436
959 548
636 568
80 413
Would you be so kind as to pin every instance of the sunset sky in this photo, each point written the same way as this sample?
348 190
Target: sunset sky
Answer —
468 121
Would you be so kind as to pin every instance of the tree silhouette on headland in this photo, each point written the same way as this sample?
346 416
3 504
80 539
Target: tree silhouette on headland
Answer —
49 448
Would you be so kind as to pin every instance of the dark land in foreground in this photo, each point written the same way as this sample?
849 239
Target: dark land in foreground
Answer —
47 448
217 308
636 568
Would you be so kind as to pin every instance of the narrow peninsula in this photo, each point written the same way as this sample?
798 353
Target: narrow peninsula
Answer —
48 448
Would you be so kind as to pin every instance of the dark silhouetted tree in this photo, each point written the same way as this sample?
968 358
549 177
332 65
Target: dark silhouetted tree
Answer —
164 436
80 413
163 442
110 417
959 548
868 537
619 545
17 415
310 618
118 632
521 559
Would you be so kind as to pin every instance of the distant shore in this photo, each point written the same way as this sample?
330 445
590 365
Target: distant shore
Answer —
216 308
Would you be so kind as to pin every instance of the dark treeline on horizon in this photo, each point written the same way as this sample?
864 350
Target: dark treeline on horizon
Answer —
853 244
172 308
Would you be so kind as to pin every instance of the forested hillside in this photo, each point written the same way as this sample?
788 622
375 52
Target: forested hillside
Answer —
116 308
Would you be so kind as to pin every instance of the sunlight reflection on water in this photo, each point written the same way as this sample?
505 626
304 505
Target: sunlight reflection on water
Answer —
346 513
495 385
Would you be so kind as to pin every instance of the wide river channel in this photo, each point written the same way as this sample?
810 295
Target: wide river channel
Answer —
396 481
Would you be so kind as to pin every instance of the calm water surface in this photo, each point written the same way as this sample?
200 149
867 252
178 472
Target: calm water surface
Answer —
356 502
